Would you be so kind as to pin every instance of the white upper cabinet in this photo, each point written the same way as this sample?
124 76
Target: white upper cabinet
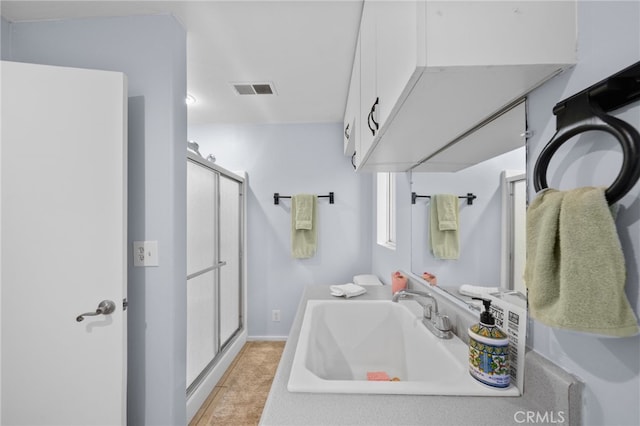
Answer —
431 72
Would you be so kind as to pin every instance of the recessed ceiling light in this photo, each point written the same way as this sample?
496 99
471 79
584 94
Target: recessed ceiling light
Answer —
190 99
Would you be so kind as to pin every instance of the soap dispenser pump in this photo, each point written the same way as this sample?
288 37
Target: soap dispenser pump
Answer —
488 350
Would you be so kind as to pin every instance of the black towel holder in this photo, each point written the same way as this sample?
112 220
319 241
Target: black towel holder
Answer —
277 196
586 111
469 197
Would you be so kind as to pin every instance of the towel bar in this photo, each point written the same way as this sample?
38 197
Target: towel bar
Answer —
586 111
277 196
470 197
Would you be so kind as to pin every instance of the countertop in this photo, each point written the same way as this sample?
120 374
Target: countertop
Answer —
289 408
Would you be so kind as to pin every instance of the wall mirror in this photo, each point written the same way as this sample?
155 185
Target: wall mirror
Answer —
490 164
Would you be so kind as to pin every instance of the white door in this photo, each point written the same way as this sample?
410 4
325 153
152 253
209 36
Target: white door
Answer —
63 233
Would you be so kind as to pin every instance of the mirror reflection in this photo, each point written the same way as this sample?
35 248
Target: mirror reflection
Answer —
490 226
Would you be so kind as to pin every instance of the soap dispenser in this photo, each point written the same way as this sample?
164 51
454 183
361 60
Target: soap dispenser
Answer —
488 350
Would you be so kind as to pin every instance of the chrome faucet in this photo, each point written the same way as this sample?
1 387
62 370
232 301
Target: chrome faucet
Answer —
435 322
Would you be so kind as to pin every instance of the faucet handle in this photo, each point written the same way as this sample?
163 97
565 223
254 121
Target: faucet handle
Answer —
427 310
442 322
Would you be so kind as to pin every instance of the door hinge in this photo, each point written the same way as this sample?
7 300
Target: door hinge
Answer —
125 304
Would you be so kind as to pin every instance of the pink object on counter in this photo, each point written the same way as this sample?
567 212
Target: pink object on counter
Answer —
430 278
398 282
377 376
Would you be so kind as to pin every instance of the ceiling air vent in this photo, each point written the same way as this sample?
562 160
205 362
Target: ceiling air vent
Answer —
254 88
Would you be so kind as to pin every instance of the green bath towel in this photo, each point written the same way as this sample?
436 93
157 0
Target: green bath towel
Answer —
443 226
575 272
304 238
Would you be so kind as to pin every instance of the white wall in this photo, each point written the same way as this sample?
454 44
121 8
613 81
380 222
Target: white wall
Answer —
480 223
291 159
151 51
609 40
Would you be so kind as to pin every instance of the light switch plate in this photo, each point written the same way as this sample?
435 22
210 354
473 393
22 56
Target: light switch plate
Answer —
145 253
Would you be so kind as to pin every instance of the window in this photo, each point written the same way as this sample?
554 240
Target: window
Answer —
386 210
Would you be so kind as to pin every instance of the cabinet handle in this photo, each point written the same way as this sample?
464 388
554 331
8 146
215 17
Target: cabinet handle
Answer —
353 160
370 119
346 131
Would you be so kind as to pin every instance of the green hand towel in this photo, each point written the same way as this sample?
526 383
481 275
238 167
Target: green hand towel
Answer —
304 241
575 272
447 206
304 211
444 240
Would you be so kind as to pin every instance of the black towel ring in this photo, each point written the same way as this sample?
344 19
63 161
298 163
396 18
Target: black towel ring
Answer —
626 134
587 111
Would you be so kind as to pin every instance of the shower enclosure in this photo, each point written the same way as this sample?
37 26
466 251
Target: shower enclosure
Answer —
215 217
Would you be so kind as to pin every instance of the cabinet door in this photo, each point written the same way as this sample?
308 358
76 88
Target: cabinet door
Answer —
368 90
396 53
231 272
389 52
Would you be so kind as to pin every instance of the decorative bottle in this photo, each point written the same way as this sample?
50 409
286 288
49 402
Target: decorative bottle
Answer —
488 350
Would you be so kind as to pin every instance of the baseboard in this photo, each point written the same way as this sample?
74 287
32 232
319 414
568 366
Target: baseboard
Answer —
266 338
200 395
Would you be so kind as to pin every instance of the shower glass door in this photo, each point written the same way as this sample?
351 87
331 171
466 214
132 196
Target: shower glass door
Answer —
202 269
214 266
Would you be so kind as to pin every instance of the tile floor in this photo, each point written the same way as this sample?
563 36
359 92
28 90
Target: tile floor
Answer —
239 397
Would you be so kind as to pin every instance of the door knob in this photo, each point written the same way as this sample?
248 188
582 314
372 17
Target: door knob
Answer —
104 308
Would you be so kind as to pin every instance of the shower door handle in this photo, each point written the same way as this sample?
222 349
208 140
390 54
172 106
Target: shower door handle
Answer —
209 269
105 307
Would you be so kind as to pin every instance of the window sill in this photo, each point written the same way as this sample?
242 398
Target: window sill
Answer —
388 245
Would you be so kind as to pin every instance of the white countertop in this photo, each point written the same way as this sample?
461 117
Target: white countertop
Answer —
288 408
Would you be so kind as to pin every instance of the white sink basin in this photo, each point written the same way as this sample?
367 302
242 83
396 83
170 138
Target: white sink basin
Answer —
341 340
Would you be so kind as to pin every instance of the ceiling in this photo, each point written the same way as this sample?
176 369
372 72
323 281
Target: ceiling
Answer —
304 48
